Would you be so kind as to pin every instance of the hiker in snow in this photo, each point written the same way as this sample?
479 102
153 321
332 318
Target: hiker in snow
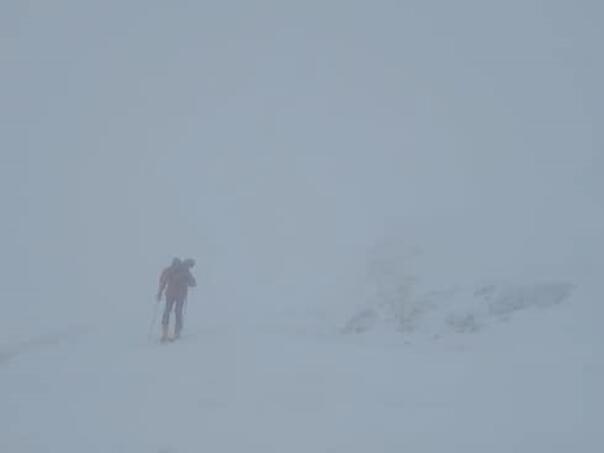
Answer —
176 281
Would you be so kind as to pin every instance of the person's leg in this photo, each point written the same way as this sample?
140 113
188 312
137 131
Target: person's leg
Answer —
165 321
179 321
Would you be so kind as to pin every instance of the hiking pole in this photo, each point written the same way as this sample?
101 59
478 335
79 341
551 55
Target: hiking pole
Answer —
153 320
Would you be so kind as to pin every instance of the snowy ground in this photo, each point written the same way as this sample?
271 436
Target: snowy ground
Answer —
298 385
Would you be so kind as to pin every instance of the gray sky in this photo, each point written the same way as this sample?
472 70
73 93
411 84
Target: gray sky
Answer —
276 142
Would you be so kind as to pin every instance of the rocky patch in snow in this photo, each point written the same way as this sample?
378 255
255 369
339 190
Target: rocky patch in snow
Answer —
457 310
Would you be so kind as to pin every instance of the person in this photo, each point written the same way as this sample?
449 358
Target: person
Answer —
175 280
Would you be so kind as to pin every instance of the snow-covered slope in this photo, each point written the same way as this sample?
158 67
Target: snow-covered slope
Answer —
298 385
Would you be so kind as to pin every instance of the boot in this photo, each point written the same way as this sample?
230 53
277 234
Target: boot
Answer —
164 334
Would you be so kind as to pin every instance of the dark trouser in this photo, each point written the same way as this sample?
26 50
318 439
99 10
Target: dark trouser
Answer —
170 303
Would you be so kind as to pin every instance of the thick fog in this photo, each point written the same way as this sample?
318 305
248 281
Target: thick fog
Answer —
279 143
395 208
